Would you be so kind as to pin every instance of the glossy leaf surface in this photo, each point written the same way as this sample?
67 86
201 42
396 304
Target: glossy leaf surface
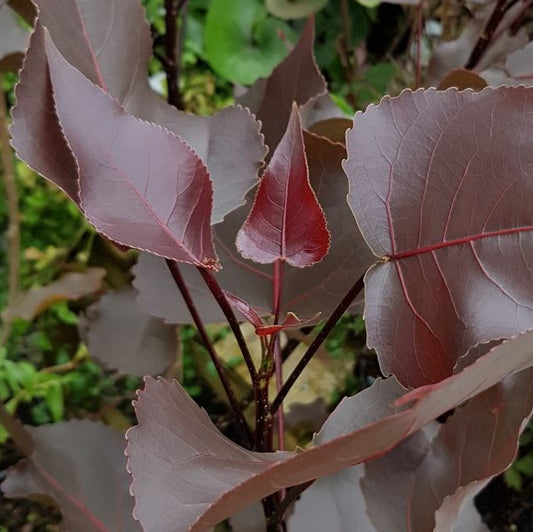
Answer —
442 195
81 465
139 184
286 221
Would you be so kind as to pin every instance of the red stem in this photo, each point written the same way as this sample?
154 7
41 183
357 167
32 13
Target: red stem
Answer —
225 306
419 25
486 37
234 403
275 342
317 342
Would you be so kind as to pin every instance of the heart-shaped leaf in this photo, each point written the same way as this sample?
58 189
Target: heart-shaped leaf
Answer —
440 185
139 184
242 42
286 221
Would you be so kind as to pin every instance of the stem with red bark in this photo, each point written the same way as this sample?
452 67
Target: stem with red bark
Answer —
485 38
317 342
234 403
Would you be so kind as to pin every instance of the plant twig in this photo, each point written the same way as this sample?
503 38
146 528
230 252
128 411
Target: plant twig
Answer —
173 48
419 30
317 342
234 403
292 494
225 306
13 230
278 362
485 38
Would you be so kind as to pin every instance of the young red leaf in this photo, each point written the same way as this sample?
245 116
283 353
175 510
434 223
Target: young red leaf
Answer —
245 309
203 489
286 221
139 184
305 291
291 321
81 465
440 184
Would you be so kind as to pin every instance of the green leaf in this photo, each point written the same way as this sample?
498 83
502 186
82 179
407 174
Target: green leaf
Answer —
290 9
369 3
513 479
4 435
64 314
4 389
242 43
525 465
54 400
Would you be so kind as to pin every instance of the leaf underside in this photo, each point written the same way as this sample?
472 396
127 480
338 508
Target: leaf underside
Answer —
443 194
139 184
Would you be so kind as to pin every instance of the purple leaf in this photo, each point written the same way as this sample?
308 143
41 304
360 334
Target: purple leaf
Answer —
81 465
476 443
291 321
296 79
334 503
442 197
246 310
121 335
179 460
68 287
13 40
286 221
305 292
211 478
36 133
140 185
109 42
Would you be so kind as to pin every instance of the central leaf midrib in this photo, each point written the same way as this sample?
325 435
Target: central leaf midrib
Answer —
458 242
